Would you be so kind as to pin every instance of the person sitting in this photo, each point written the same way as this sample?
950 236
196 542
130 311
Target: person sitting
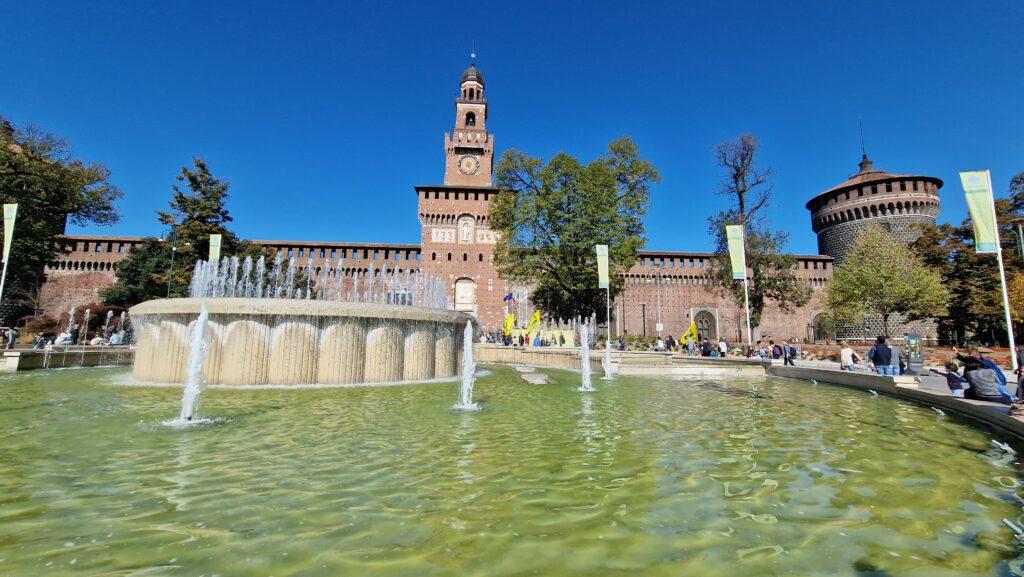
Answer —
116 338
660 345
97 341
953 379
63 338
984 384
622 344
705 348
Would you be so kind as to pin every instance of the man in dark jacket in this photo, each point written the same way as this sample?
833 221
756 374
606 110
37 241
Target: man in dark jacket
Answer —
881 356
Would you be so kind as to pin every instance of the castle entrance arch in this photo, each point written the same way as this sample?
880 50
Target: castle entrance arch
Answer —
465 295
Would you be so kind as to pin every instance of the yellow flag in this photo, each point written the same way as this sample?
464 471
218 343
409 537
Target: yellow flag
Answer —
510 323
534 321
691 333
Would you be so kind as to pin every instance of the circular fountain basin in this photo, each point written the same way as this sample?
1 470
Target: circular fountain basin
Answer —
719 477
292 342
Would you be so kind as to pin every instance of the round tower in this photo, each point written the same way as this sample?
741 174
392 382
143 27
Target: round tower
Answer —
896 202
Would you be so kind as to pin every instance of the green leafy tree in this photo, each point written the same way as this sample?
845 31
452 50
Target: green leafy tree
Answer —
550 215
197 210
771 270
882 276
38 171
976 306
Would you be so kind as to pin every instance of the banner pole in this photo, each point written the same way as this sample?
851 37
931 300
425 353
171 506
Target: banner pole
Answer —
3 280
746 306
1002 280
608 339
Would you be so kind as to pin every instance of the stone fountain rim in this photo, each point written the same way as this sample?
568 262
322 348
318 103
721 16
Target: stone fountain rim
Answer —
297 307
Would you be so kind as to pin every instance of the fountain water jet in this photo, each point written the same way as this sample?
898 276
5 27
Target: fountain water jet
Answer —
194 383
585 387
468 372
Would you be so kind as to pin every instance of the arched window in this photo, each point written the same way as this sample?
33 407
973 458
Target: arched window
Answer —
470 119
705 325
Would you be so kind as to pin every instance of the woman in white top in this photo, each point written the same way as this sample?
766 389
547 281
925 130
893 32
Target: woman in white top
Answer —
848 358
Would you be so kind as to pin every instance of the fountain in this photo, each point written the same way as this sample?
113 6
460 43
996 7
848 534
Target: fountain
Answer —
468 372
340 327
606 360
585 387
194 384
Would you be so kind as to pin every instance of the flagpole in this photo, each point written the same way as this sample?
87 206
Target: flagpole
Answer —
608 340
746 306
3 279
1002 279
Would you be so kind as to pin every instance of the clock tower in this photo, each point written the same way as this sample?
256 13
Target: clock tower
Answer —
469 148
458 243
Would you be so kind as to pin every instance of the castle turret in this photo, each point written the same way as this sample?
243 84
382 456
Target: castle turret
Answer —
896 202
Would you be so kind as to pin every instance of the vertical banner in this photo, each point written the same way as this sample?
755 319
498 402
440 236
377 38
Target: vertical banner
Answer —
214 247
602 266
737 253
978 192
10 214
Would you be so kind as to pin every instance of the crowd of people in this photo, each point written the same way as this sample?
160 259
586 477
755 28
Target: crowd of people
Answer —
969 375
47 340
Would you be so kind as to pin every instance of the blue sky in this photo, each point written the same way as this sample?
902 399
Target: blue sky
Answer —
323 115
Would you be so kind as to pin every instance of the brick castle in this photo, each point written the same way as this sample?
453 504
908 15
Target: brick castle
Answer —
457 245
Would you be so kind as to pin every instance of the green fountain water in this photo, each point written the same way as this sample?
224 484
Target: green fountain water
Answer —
644 477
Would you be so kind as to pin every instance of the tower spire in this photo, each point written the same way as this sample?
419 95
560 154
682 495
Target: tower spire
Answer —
865 163
863 149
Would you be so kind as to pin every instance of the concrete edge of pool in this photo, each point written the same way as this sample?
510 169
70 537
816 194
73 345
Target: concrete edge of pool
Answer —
674 365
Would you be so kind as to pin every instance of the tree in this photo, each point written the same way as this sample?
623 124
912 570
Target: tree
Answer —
976 306
771 270
550 215
1015 291
882 276
197 210
38 171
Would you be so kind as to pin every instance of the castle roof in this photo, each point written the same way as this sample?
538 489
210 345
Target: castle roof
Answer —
472 73
868 174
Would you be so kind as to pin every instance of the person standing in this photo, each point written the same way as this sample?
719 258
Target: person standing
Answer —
691 346
788 353
848 358
895 360
10 337
723 347
881 356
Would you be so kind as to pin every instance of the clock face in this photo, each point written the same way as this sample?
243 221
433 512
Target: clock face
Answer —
469 164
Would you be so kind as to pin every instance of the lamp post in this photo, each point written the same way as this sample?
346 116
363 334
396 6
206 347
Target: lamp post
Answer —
170 273
174 251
